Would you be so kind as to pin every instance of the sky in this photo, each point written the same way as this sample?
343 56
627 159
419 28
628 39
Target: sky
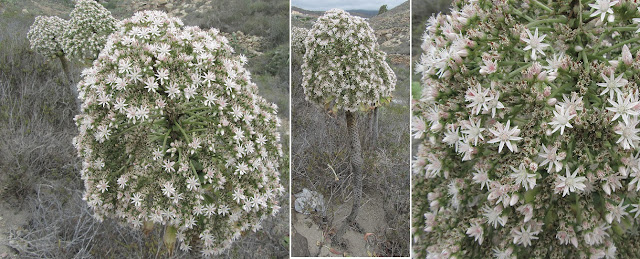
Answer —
315 5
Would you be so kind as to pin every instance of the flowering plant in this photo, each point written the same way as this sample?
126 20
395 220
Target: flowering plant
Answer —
528 126
172 132
343 67
298 36
45 35
89 26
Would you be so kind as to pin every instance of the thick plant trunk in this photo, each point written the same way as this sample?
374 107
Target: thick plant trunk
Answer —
72 86
65 67
374 137
356 168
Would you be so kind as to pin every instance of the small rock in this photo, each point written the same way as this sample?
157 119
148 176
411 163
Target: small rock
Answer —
25 11
300 246
308 201
169 6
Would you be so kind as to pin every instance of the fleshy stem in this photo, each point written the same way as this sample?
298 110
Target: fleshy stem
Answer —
517 12
543 6
183 133
551 20
618 45
515 72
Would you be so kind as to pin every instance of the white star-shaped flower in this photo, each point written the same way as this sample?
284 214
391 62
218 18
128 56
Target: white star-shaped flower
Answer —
602 8
504 135
628 133
624 107
570 183
481 177
617 212
473 131
476 231
452 136
636 209
522 177
561 118
478 98
524 236
612 84
552 158
535 44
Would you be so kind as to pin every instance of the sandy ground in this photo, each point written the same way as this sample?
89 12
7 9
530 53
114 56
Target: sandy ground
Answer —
10 219
370 218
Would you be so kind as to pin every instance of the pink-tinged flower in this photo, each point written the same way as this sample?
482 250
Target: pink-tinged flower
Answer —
616 212
567 237
535 43
523 178
418 127
551 158
490 67
626 56
168 166
503 254
452 136
494 103
527 211
478 98
102 186
168 189
481 177
597 235
476 231
628 133
524 236
494 217
570 182
473 130
504 135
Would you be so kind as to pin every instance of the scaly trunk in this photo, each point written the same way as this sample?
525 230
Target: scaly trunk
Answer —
374 139
356 168
65 67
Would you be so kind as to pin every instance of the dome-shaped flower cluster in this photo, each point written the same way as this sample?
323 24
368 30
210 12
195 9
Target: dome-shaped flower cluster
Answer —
45 35
298 36
89 26
172 132
528 121
343 66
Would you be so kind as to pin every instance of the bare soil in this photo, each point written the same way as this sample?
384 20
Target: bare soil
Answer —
370 219
11 219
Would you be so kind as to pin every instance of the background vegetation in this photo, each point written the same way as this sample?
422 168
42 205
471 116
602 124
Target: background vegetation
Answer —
39 169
